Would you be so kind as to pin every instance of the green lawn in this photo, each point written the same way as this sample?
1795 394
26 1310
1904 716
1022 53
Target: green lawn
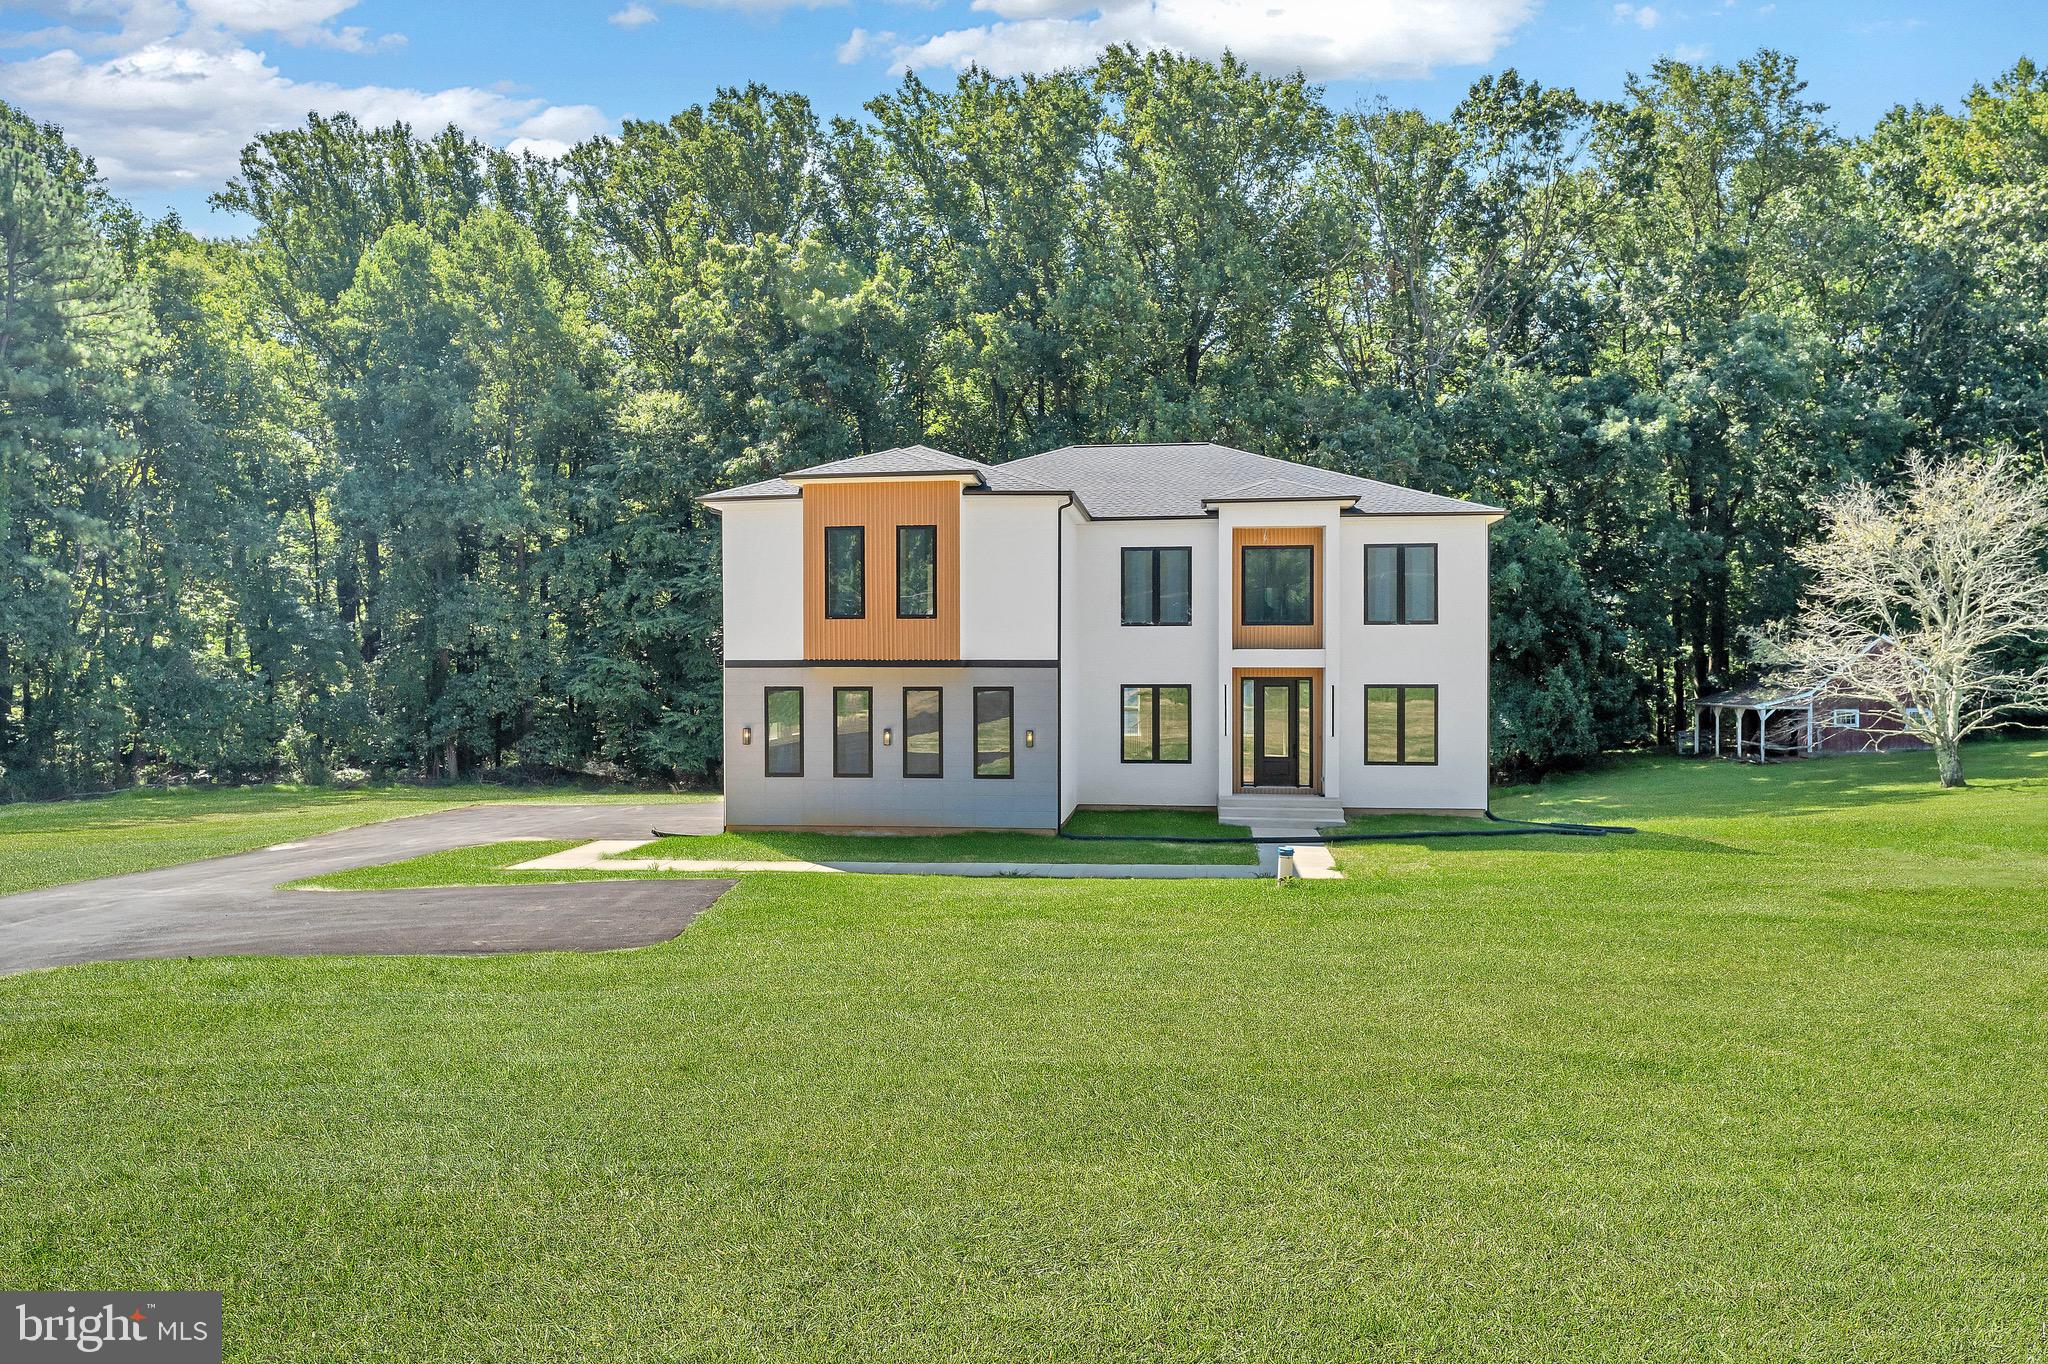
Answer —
49 843
1763 1082
490 865
983 847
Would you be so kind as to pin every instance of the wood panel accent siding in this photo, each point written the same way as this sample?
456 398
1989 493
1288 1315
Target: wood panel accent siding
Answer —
1244 636
881 506
1319 721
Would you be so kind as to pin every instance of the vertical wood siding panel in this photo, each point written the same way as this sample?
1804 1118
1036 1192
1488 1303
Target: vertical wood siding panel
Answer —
880 507
1244 636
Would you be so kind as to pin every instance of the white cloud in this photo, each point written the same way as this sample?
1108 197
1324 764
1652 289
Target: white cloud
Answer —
1692 53
860 43
166 111
1642 16
1327 39
632 16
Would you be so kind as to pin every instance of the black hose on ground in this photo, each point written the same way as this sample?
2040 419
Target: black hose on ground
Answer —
1519 826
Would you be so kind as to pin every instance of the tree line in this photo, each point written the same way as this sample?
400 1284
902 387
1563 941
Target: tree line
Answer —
401 480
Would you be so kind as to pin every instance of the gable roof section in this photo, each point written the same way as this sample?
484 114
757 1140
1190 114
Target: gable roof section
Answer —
1136 482
909 460
1147 481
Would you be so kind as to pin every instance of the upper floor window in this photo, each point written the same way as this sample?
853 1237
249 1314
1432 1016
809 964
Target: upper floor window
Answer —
846 572
1400 584
917 571
1158 586
1277 585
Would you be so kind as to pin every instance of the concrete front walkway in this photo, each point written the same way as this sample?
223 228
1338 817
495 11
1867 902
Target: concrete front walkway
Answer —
604 855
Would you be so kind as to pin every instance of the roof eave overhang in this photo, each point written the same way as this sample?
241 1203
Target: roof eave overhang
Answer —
965 477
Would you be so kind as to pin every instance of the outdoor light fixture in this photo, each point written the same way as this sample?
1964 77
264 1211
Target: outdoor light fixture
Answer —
1030 738
746 735
885 736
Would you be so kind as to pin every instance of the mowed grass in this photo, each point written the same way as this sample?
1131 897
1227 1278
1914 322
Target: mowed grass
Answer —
1763 1082
984 847
492 864
53 842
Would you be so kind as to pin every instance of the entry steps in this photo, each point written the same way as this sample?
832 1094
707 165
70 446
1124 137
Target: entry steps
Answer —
1300 810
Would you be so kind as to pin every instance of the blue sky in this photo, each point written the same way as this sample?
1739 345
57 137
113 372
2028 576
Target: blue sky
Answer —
165 92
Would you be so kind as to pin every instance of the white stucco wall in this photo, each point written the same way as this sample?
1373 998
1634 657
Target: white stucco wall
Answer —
763 548
1009 577
1071 525
1451 655
1103 654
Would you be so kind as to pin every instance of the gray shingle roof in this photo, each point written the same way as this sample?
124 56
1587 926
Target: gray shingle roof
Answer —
1277 490
908 459
1140 481
1174 480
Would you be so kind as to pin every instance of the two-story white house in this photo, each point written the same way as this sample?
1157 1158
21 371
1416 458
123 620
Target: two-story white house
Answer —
915 640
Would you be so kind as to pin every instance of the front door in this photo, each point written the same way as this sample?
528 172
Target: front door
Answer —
1276 727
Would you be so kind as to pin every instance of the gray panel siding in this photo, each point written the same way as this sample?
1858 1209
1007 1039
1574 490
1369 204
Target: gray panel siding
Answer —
1028 800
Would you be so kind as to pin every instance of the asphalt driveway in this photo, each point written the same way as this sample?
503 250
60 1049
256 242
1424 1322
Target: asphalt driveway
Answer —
231 905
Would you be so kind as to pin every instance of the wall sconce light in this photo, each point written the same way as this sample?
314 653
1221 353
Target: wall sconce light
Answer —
1030 738
886 735
746 735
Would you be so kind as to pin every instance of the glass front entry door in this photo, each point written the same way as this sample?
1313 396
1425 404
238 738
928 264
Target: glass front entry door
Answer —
1276 731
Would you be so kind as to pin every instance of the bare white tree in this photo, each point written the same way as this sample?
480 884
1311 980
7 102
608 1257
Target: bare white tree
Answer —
1946 573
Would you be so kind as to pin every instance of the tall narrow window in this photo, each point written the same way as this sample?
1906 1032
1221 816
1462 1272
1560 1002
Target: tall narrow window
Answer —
846 572
1400 584
853 732
923 726
1400 725
785 747
1158 586
1157 725
1277 583
917 571
993 707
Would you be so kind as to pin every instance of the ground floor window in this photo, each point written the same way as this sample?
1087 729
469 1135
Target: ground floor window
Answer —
993 711
785 748
1846 718
853 730
923 723
1400 725
1156 727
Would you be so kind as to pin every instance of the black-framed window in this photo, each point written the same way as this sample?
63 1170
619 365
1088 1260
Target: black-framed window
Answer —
783 744
1400 584
1157 724
846 572
1277 585
853 732
994 725
924 723
917 572
1158 586
1400 726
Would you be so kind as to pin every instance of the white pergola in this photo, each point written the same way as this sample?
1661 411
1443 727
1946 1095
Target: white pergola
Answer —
1763 704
